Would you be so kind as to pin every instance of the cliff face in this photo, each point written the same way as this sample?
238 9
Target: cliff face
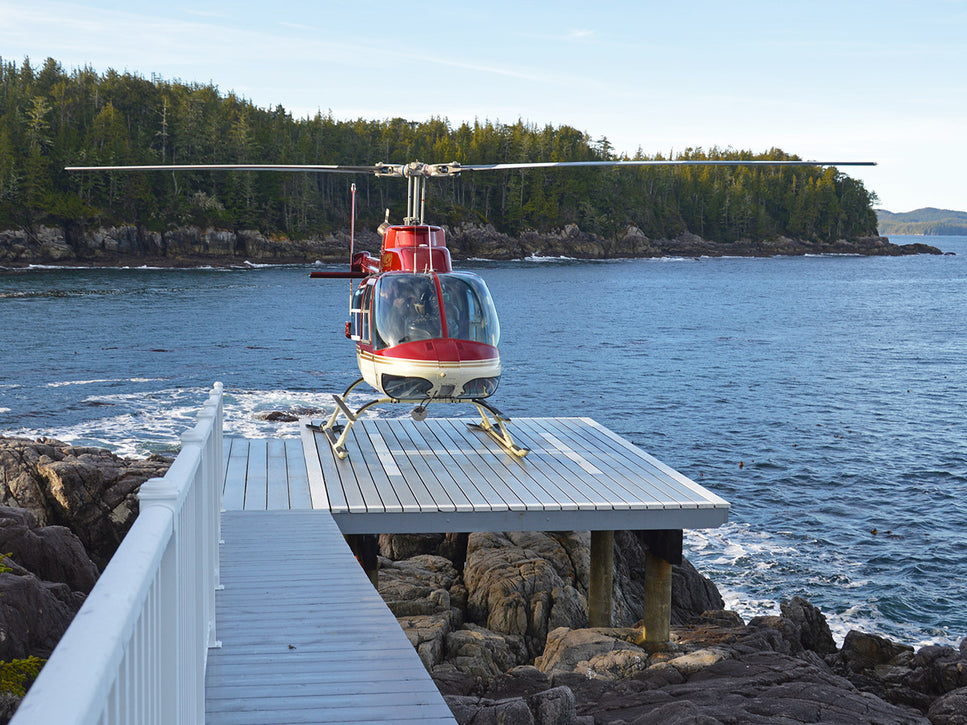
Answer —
192 246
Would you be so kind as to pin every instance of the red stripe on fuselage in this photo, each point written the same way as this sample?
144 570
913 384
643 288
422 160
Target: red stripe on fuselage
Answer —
444 350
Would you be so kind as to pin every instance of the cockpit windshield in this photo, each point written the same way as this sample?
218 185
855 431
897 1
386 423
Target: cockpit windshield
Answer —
407 309
469 309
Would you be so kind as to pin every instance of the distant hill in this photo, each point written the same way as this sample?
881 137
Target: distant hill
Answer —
937 222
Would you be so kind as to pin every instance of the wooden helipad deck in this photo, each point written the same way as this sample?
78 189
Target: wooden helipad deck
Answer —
439 476
305 637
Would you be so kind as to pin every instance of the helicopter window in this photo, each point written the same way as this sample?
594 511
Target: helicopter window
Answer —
364 313
359 314
469 308
405 309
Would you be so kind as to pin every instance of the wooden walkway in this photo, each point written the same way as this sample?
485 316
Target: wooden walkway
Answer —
305 637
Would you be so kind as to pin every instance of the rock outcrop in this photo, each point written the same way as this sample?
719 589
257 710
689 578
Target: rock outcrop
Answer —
507 641
90 491
193 246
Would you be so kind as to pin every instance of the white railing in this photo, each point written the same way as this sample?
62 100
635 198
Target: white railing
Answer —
137 649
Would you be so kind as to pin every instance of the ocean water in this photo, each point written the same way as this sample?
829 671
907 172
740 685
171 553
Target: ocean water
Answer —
824 397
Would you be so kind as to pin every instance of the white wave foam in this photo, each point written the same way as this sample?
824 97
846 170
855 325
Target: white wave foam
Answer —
538 257
64 383
153 422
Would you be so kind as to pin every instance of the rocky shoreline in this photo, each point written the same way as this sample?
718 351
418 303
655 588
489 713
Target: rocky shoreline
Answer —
134 246
500 619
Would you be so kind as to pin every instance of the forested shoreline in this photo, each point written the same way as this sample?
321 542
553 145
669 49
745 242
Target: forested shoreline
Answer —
51 118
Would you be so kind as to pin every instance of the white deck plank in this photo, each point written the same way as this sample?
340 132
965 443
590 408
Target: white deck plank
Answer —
297 475
528 475
628 471
256 483
362 493
318 484
375 483
403 476
236 472
475 473
277 477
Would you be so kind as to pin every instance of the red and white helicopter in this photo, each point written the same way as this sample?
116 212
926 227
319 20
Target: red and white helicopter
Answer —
425 333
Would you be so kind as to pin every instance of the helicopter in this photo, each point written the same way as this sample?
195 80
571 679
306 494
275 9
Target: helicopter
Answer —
423 331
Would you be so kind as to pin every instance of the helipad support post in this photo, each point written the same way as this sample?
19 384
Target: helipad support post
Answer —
601 579
664 549
365 547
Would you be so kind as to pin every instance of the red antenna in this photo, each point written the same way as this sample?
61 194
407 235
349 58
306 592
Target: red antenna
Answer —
352 236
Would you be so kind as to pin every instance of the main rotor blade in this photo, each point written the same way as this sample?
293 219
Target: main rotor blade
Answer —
322 168
454 168
649 162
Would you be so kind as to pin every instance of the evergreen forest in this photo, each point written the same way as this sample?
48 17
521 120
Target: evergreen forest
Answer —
51 118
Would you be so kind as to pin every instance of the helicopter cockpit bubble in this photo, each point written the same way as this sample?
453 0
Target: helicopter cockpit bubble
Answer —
407 309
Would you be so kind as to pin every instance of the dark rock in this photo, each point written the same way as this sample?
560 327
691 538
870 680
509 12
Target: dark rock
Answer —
52 553
950 709
468 710
773 633
522 681
418 585
8 706
814 633
91 491
937 670
427 634
451 681
553 707
724 618
33 615
192 246
482 653
760 687
278 416
862 652
403 546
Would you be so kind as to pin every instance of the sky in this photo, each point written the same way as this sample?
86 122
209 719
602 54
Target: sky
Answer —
839 80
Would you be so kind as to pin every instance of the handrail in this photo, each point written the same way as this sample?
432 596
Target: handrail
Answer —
137 649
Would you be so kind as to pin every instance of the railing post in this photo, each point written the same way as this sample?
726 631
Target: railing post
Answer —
210 418
160 493
195 564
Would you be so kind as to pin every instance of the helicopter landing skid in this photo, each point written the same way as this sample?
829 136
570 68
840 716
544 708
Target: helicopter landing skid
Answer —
498 433
336 433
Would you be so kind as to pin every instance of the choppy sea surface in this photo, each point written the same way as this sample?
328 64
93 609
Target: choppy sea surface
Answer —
824 397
